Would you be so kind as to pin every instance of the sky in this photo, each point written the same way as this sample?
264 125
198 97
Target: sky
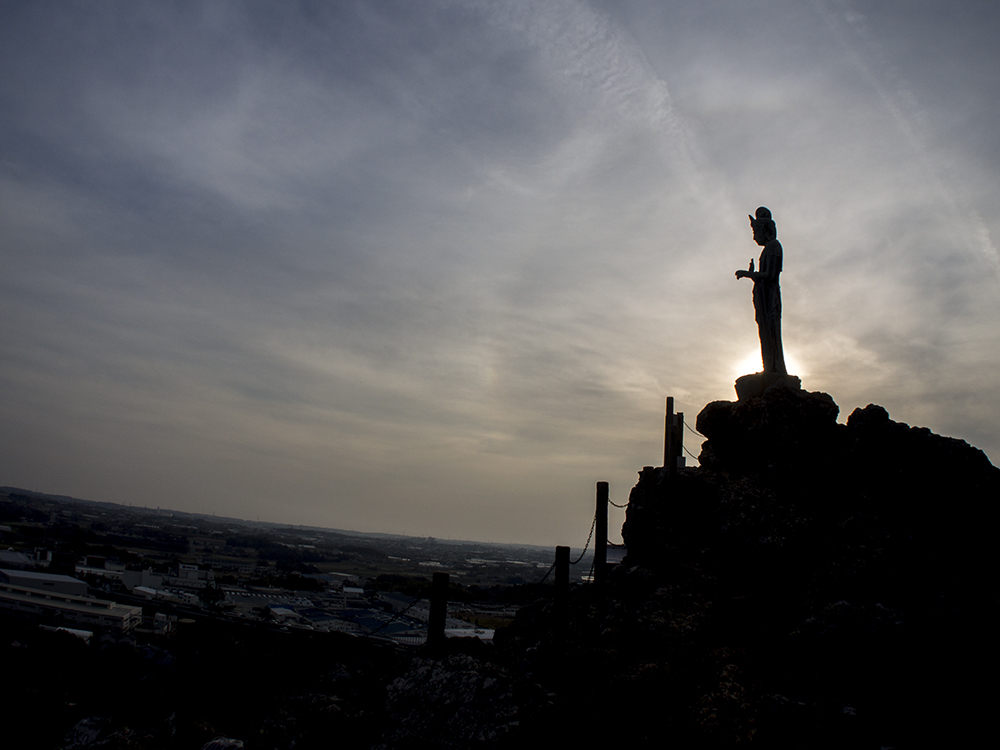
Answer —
433 268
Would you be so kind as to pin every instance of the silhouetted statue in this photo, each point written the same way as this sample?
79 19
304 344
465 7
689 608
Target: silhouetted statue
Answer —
766 291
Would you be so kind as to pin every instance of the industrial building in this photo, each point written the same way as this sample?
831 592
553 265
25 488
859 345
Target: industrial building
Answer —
58 599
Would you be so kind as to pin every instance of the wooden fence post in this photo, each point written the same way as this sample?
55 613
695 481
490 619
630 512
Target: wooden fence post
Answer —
673 438
668 434
601 534
439 611
679 440
562 571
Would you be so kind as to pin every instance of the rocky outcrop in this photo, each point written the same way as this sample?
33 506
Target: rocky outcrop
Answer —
843 567
811 584
757 384
786 429
96 732
453 702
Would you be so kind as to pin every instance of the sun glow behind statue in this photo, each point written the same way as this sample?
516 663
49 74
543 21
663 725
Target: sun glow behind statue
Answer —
752 363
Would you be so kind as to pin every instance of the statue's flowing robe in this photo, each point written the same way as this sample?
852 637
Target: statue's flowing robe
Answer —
767 307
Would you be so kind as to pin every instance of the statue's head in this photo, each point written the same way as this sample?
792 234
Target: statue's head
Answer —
763 226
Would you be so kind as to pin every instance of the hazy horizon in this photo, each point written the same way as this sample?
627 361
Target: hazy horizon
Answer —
432 269
279 525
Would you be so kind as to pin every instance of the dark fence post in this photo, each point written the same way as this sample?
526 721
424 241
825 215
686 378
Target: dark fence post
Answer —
439 611
562 571
673 438
601 534
679 440
668 435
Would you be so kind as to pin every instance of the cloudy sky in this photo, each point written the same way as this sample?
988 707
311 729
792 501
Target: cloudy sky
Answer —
433 267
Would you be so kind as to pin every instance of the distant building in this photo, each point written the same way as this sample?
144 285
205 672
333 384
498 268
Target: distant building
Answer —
354 596
55 599
187 572
323 619
190 576
164 624
47 582
255 600
146 578
243 567
286 614
185 597
11 560
113 575
396 602
167 595
83 635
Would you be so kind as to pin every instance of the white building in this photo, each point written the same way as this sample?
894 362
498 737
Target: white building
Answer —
44 601
48 582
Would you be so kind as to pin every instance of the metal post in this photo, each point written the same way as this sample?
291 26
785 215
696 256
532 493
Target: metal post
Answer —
668 433
679 439
439 611
562 571
601 534
673 441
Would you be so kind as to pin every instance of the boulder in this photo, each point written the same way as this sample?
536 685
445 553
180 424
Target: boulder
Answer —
759 383
779 430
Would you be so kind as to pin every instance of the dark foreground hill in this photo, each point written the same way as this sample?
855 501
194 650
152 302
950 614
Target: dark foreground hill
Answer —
810 585
813 584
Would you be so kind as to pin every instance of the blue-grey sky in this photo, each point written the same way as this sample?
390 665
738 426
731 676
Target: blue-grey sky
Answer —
432 268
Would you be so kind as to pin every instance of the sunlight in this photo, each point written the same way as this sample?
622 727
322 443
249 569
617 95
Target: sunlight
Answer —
795 366
748 364
751 363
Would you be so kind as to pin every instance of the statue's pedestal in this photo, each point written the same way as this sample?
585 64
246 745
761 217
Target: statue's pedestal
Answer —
753 386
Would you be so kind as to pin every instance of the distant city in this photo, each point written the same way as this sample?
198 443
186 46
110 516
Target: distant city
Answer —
103 570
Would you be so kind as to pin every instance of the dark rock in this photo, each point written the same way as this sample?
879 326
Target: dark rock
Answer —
759 383
97 732
455 702
779 430
809 585
871 417
223 743
842 567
